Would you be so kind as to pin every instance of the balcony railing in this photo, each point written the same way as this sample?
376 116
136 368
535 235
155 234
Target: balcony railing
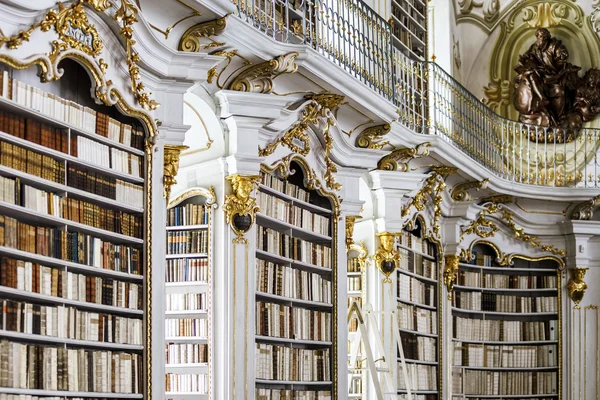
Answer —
429 100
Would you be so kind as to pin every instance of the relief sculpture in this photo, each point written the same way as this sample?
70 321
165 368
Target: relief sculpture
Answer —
549 91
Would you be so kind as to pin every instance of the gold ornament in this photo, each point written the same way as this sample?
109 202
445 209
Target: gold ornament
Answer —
372 137
399 159
450 272
240 208
171 166
460 192
576 285
350 220
363 254
386 257
259 78
585 211
190 42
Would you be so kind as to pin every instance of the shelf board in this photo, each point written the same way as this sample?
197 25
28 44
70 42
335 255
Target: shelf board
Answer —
415 22
491 342
478 289
187 227
293 200
353 273
354 293
73 342
190 255
293 383
413 303
263 255
71 266
41 298
197 368
506 369
270 339
432 335
507 269
295 302
186 339
515 314
416 276
413 55
186 287
203 314
186 396
304 234
505 396
61 393
409 361
402 391
427 256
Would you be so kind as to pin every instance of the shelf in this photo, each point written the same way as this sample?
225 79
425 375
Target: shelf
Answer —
73 267
56 187
427 256
293 200
295 302
416 304
354 293
190 255
515 314
415 22
270 339
504 396
420 41
61 393
418 361
294 383
74 342
263 255
199 368
17 294
187 227
16 108
186 396
402 391
506 369
297 232
507 290
417 276
203 314
186 287
432 335
507 269
490 342
186 339
353 273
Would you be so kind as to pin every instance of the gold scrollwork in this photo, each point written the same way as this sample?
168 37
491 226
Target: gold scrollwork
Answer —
363 254
482 227
585 211
372 137
350 220
460 192
386 257
498 199
190 42
577 285
399 159
209 194
240 204
259 78
171 166
450 272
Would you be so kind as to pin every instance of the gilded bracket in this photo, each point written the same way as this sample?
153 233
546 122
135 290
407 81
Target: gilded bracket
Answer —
239 207
350 220
190 42
460 192
576 285
450 272
585 211
399 159
259 78
386 257
363 254
171 166
372 137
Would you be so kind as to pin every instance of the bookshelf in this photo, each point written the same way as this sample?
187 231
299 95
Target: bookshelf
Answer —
417 298
295 312
72 243
505 317
188 295
356 275
409 28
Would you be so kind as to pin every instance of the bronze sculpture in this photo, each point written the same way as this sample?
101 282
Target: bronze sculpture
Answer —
550 93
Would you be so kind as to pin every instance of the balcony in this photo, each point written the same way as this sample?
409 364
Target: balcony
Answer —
429 101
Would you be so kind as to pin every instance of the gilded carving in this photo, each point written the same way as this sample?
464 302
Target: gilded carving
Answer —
498 199
585 211
372 137
363 254
171 166
545 15
386 257
239 207
533 241
577 285
482 227
259 78
460 192
450 272
399 159
190 40
350 220
490 11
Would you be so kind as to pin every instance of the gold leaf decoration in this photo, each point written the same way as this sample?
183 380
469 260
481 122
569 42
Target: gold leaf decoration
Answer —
372 137
399 159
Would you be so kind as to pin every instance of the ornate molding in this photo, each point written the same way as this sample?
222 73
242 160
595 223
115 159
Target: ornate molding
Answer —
450 272
585 211
171 166
350 220
498 199
460 192
259 78
209 194
482 227
239 207
372 137
386 257
363 254
399 159
190 42
577 285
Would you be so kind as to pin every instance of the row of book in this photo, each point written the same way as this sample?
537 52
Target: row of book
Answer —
69 323
409 24
280 209
497 281
520 383
420 377
505 331
417 264
34 131
187 270
289 282
479 301
107 157
81 117
188 214
186 327
417 319
189 383
480 355
284 186
186 353
32 162
36 278
354 284
8 190
413 289
354 265
77 370
285 394
277 320
414 242
356 385
187 242
292 364
105 186
186 301
281 244
482 260
417 347
405 396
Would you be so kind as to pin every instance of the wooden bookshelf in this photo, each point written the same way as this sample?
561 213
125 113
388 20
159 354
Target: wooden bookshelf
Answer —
188 296
409 28
357 259
294 290
418 311
505 327
72 263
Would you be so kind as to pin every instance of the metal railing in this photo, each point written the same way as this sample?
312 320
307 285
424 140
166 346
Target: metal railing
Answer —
429 100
